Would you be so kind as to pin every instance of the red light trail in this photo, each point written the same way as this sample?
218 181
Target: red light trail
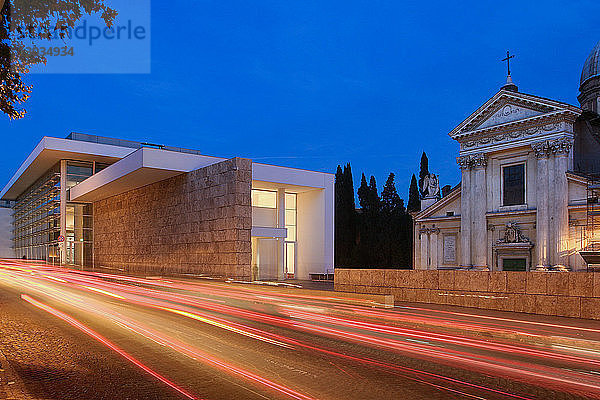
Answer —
302 324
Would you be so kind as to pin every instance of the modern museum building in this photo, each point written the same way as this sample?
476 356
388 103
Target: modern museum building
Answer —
101 202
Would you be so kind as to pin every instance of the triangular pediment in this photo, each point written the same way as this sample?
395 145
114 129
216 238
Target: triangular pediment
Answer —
508 112
507 107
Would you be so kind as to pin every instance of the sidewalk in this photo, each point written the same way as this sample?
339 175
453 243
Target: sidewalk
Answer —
560 332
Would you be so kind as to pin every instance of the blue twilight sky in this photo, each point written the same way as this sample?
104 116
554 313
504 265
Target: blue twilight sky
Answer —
313 84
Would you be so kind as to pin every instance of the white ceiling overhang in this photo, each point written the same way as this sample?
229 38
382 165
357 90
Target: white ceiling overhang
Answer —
51 150
142 167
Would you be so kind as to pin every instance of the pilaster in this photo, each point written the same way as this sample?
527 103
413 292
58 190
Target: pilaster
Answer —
424 250
552 219
479 201
561 149
541 221
465 210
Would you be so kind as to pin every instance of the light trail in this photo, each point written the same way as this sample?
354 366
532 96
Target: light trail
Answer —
83 328
324 317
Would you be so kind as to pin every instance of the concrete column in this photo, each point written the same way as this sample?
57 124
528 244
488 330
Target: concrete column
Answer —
465 212
561 201
63 211
281 241
478 218
541 223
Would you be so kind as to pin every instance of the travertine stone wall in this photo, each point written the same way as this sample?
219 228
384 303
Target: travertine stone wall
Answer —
567 294
198 222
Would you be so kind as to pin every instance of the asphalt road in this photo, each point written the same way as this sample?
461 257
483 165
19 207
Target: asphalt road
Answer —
81 335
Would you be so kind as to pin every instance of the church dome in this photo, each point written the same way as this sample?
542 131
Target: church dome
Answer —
591 67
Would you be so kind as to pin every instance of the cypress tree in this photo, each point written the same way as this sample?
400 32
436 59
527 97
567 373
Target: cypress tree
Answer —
390 200
414 204
363 193
339 220
345 217
373 196
349 236
389 236
423 169
368 226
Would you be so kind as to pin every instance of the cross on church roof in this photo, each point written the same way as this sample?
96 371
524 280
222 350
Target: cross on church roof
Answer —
507 59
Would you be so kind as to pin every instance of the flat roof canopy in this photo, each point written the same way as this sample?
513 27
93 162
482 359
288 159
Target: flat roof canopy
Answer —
51 150
142 167
133 168
148 165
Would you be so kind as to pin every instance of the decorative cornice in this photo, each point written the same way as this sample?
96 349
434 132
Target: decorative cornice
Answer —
510 136
472 161
521 124
546 148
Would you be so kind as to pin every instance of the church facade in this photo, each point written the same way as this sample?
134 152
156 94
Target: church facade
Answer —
528 166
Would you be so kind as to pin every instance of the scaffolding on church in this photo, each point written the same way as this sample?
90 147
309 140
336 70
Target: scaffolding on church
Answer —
591 251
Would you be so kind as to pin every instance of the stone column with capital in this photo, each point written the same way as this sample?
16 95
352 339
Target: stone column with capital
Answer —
561 149
465 210
552 210
542 223
479 209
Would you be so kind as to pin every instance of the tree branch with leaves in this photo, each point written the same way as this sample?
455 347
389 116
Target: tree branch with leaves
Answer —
23 21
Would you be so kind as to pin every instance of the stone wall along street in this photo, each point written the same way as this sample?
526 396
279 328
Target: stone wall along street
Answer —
567 294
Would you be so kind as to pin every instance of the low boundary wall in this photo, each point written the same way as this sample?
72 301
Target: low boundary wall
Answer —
567 294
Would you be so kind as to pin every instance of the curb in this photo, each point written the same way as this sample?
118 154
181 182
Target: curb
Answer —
369 300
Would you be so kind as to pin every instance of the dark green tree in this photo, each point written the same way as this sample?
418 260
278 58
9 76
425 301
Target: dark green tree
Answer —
423 169
374 202
384 229
363 192
390 200
345 217
368 223
414 202
24 20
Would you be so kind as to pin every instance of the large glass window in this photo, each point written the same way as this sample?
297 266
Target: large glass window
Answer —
264 208
78 171
79 238
290 216
513 185
264 198
291 221
37 219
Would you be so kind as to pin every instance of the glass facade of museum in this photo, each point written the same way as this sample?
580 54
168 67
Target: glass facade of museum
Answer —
37 218
265 214
46 228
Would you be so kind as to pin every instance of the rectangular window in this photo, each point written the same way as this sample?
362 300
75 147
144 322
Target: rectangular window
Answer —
514 264
264 198
514 185
78 171
291 216
264 208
